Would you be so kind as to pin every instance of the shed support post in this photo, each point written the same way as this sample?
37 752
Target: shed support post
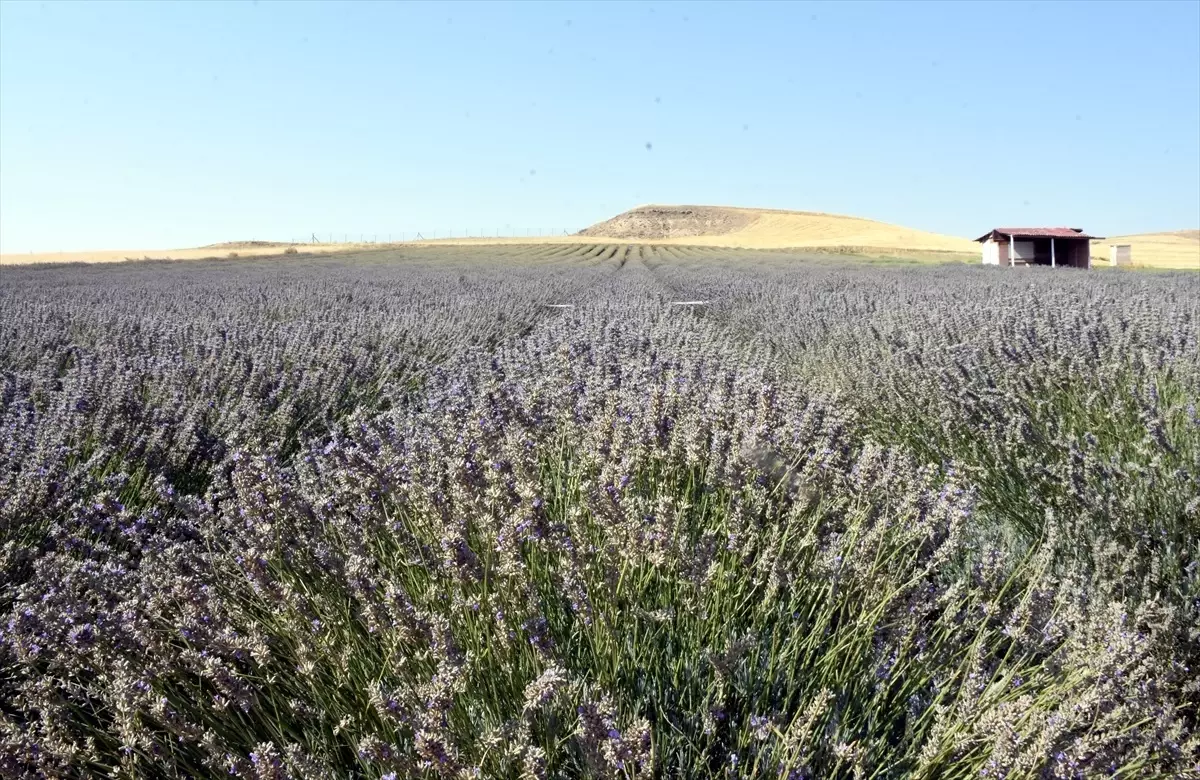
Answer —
1051 252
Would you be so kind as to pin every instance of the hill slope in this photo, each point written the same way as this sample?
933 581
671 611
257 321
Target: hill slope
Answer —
1180 249
769 229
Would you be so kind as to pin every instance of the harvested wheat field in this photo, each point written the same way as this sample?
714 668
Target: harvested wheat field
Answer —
1178 249
701 226
210 252
743 228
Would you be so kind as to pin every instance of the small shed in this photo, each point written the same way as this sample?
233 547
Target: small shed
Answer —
1056 246
1120 254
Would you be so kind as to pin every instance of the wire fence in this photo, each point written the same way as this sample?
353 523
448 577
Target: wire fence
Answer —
403 236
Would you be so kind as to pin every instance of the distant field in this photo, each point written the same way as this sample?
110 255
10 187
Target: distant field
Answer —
742 228
1180 249
776 230
713 226
215 251
699 226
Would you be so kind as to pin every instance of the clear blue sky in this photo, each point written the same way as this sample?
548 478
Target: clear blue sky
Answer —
149 125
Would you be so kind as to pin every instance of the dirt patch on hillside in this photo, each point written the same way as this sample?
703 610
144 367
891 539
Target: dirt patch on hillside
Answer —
658 222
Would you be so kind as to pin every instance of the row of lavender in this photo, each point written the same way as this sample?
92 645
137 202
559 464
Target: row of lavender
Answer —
459 514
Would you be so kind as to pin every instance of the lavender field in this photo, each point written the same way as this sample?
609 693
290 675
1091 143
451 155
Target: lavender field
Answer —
519 512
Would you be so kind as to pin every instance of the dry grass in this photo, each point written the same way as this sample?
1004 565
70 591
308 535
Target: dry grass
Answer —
780 229
1180 249
776 229
202 253
769 229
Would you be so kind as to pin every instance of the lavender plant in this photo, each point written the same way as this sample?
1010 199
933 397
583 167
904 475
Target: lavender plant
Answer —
516 513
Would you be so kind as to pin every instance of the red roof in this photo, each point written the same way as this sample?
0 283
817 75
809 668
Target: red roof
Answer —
1042 232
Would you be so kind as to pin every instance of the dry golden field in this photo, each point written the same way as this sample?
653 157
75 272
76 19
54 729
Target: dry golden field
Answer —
745 228
708 226
199 253
1180 249
784 229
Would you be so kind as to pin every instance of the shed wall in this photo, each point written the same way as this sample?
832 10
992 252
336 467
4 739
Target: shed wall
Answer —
1076 254
1024 250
